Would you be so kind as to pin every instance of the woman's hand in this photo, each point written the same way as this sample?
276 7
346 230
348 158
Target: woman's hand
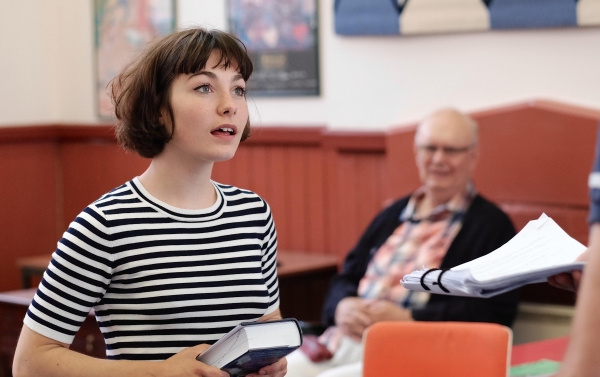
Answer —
566 281
277 369
569 281
37 355
184 364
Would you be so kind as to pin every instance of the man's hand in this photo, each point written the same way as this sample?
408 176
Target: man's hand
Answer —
569 281
382 310
352 317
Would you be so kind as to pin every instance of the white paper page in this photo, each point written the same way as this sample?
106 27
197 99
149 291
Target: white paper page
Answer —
453 281
541 244
277 334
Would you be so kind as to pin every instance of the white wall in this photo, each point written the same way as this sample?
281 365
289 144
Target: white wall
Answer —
47 72
46 63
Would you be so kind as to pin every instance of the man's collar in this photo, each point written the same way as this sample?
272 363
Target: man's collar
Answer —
457 204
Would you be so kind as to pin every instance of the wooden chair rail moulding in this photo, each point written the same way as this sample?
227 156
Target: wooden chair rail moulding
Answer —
299 136
57 132
319 136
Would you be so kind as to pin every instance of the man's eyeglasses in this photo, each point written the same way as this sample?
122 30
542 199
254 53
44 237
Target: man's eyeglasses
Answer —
450 151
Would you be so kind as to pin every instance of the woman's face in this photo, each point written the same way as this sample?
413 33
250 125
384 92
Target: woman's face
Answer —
209 112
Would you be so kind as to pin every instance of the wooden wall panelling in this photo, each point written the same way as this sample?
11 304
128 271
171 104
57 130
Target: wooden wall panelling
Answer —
259 169
316 208
311 176
298 176
276 195
334 205
91 168
298 197
361 179
536 155
357 177
56 171
403 174
28 204
284 166
222 172
242 168
572 219
347 197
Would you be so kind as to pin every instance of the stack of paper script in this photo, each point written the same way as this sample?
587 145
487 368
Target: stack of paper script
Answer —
541 249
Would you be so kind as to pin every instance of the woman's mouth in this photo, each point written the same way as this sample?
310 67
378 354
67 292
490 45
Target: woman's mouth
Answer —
225 130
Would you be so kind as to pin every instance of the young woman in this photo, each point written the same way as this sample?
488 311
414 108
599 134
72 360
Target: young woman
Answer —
169 261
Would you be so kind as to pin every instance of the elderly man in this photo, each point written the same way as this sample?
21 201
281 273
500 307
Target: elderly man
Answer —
440 225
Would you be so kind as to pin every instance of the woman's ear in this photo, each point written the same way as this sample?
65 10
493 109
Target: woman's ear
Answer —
165 121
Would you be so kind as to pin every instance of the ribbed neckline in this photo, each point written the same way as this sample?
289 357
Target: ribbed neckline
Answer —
205 214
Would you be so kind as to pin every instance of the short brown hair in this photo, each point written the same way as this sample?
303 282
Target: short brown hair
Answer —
142 90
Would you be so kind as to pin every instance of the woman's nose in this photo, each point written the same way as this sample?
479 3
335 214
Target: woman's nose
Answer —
226 105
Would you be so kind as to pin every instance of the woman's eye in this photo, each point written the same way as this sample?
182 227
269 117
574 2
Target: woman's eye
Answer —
240 91
203 88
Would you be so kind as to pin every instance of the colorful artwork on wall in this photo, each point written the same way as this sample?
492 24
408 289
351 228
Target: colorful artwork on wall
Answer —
282 39
409 17
122 28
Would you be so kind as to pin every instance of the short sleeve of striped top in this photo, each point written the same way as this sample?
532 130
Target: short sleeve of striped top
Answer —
160 278
594 186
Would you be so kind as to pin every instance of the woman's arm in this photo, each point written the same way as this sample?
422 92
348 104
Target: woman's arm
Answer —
37 355
581 359
271 316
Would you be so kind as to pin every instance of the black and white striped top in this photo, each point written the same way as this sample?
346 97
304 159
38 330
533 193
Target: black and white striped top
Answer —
160 278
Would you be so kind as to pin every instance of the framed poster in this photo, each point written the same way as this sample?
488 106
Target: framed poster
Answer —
122 28
282 39
409 17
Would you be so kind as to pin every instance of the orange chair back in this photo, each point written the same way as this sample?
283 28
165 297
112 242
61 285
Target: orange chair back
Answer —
445 349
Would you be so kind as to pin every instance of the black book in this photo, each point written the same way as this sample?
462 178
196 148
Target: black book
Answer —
253 345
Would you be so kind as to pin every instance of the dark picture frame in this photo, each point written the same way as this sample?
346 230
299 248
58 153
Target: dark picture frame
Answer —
283 41
121 29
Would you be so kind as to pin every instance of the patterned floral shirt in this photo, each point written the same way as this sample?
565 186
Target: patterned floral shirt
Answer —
420 241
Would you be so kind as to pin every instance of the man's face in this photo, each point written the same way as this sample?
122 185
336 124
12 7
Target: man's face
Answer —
445 153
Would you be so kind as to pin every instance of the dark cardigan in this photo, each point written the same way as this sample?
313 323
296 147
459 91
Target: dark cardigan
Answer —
485 228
